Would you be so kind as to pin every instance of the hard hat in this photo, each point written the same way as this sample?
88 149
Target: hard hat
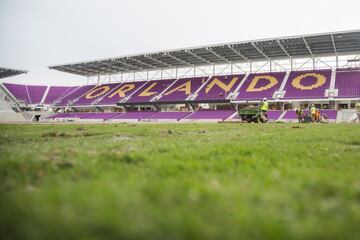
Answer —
264 99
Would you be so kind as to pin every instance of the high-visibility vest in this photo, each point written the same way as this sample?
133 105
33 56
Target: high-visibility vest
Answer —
357 106
264 106
312 110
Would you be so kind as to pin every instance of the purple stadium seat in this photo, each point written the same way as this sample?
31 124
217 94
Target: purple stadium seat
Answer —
96 93
274 115
168 115
132 116
307 84
210 115
101 116
290 115
18 91
150 90
120 92
219 87
182 89
36 93
348 83
75 94
56 92
59 115
260 85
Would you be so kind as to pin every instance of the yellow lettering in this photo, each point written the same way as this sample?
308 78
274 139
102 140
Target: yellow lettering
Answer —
222 85
252 87
97 92
320 80
122 90
186 87
146 92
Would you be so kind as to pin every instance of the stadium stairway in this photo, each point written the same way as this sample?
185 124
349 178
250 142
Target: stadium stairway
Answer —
7 113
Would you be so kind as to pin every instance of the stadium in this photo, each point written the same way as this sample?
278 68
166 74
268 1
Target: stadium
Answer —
173 85
177 144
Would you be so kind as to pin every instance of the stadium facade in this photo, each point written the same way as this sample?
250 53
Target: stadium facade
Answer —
203 83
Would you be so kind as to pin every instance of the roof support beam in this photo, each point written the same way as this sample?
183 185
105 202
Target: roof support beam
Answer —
159 61
333 43
218 55
237 53
115 67
81 71
178 59
308 47
259 51
283 48
132 67
141 62
198 57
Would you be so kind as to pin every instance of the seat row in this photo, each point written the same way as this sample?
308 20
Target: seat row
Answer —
307 85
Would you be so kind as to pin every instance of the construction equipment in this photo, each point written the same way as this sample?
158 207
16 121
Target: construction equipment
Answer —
252 115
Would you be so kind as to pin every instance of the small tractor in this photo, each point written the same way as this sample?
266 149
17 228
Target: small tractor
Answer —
252 115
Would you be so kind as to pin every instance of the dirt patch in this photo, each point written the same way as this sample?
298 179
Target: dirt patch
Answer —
298 127
65 164
121 138
169 132
82 133
55 134
202 131
80 129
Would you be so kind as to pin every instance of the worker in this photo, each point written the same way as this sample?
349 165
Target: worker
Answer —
317 115
357 108
264 106
300 114
313 112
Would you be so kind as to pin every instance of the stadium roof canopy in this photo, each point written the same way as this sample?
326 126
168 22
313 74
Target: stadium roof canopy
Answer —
306 46
9 72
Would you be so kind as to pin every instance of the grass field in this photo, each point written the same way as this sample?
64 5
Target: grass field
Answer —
184 181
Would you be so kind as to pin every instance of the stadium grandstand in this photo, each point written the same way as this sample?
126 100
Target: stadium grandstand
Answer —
208 83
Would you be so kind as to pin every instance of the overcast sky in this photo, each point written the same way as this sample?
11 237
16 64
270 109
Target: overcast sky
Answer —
35 34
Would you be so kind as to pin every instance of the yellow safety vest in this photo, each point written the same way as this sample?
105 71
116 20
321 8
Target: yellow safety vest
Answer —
264 106
312 110
357 106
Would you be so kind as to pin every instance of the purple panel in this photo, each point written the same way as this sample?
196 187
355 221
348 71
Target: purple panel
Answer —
133 115
176 96
18 91
59 115
273 115
155 87
103 116
211 92
317 92
169 115
74 95
111 99
105 89
78 115
211 114
290 114
330 113
36 93
55 92
245 92
348 83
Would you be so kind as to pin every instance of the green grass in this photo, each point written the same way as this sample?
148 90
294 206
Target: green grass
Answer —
180 181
